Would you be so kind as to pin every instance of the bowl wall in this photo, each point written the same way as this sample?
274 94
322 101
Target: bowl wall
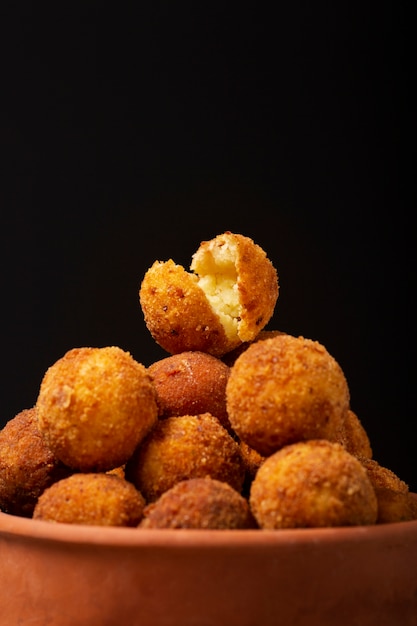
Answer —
61 575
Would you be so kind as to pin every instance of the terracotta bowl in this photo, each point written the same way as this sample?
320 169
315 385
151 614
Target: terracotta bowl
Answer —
62 575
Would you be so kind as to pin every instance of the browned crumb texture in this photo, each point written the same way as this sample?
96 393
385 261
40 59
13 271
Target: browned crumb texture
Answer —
177 313
191 383
94 406
394 501
95 499
354 437
199 503
27 465
185 447
312 484
286 389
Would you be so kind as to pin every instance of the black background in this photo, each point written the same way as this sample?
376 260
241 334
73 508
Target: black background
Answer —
131 135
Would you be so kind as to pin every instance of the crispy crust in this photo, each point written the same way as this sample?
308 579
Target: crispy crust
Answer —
27 465
94 406
314 483
94 499
190 383
177 312
354 437
394 501
199 503
178 448
286 389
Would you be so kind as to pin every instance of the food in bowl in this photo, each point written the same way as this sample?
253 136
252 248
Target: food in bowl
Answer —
229 399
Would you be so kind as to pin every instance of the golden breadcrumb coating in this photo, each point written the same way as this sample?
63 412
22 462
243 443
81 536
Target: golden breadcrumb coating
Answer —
99 499
189 446
190 383
94 406
199 503
177 312
394 502
226 299
286 389
313 483
354 437
27 465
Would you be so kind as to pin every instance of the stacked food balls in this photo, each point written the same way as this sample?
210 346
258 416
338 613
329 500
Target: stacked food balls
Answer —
238 427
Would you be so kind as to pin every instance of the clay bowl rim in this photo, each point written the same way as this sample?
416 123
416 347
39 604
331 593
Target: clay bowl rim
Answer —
134 537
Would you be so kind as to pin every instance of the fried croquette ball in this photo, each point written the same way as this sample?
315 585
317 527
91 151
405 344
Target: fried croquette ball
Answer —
227 298
27 465
394 502
94 406
310 484
354 437
178 448
203 503
98 499
286 389
191 383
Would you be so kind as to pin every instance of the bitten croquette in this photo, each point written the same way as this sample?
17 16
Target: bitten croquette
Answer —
227 299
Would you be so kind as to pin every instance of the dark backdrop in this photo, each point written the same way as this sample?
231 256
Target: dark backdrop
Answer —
132 135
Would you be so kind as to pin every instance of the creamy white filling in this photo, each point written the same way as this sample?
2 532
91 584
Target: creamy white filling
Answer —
215 267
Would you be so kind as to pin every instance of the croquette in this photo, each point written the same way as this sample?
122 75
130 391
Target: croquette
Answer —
286 389
227 298
27 465
178 448
394 501
313 483
191 383
204 503
94 406
99 499
354 437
